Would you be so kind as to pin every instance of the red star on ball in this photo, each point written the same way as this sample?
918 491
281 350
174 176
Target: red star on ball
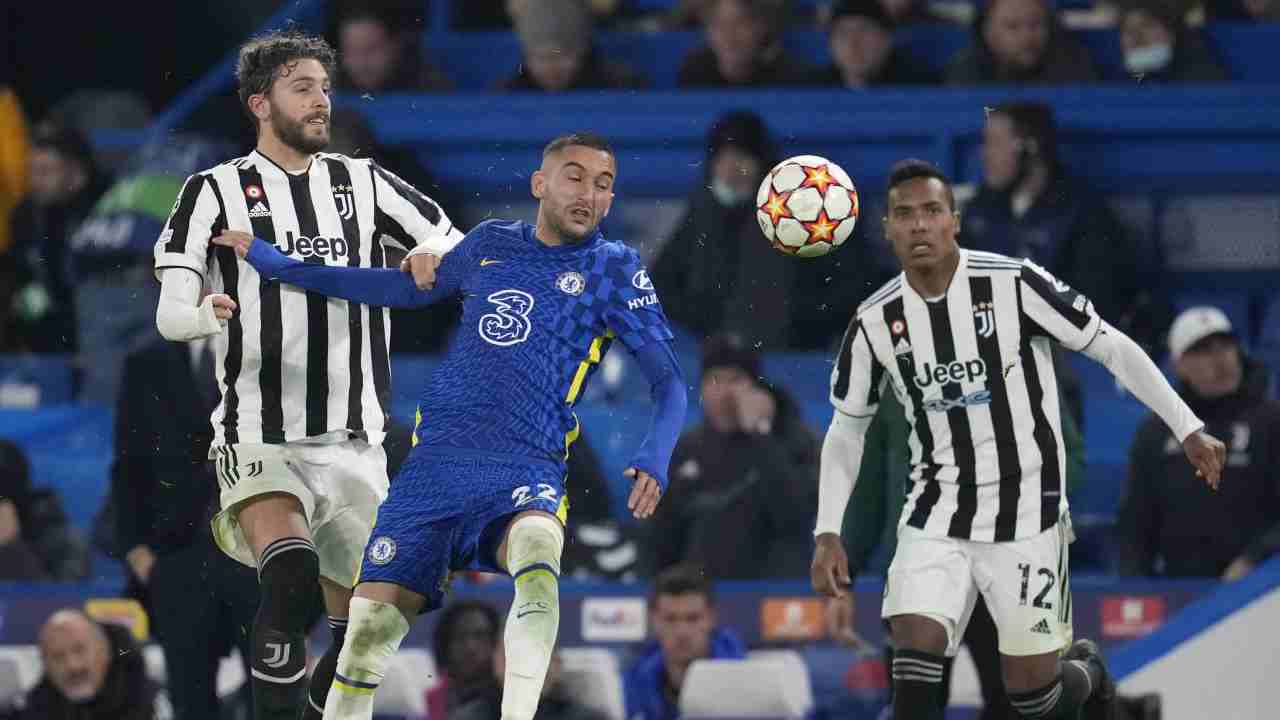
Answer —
777 206
818 177
821 229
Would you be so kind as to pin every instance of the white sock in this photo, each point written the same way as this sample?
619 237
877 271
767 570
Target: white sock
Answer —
533 559
374 632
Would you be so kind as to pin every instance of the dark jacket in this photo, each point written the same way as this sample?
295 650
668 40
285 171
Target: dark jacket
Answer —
41 256
1070 231
699 70
898 69
162 485
1170 523
1065 62
48 547
555 705
596 73
746 502
645 685
127 693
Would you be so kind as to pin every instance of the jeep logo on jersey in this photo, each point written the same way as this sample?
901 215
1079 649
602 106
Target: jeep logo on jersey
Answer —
305 247
641 280
952 372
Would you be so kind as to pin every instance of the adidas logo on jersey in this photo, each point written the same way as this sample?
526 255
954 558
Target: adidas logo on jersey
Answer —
259 210
1042 627
902 348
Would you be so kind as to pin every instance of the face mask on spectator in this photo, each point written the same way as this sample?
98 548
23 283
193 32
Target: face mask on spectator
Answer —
1152 58
727 195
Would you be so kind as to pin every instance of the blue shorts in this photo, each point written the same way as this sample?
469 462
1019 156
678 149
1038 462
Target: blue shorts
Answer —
448 510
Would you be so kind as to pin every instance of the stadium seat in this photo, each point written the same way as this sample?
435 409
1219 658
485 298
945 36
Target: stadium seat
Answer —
404 690
593 677
774 685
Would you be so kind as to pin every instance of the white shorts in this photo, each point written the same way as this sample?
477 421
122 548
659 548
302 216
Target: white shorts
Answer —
340 485
1025 583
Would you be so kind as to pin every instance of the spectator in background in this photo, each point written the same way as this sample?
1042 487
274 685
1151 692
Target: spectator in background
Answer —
1169 524
13 160
1028 206
1019 42
743 48
200 601
64 185
36 540
465 639
92 671
378 57
597 546
747 476
682 612
861 40
555 39
717 272
1159 47
556 702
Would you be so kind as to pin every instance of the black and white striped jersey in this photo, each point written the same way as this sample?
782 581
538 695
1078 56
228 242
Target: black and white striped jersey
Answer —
975 376
293 364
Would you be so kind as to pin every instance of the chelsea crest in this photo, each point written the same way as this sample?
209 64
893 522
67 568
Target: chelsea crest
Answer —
571 283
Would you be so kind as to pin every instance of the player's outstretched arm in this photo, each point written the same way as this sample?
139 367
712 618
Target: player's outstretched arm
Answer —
649 467
837 475
1140 376
369 286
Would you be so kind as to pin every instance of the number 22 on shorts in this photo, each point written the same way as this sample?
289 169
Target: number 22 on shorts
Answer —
522 496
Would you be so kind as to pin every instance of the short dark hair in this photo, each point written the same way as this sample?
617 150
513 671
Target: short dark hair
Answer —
1033 121
448 621
914 169
262 59
585 139
683 580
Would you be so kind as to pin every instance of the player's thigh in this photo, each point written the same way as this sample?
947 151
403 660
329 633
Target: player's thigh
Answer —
350 484
1026 588
264 497
416 539
408 602
512 491
929 581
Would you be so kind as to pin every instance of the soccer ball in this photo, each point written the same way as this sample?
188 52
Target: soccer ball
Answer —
807 206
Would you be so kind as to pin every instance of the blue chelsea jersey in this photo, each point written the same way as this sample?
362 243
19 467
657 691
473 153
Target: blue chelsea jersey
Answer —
536 321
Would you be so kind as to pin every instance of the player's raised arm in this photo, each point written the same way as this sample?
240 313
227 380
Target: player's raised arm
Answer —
180 257
856 383
1070 318
369 286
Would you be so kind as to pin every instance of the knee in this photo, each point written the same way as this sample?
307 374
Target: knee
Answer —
534 541
919 633
1023 674
373 626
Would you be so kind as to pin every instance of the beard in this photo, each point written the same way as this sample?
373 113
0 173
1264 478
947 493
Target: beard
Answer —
570 233
293 133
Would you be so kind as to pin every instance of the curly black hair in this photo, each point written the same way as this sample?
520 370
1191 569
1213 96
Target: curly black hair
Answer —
264 58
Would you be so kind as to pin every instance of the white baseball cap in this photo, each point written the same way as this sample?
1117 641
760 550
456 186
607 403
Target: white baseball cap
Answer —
1194 325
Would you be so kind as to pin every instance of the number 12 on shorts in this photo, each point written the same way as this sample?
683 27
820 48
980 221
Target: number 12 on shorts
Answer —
1049 579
